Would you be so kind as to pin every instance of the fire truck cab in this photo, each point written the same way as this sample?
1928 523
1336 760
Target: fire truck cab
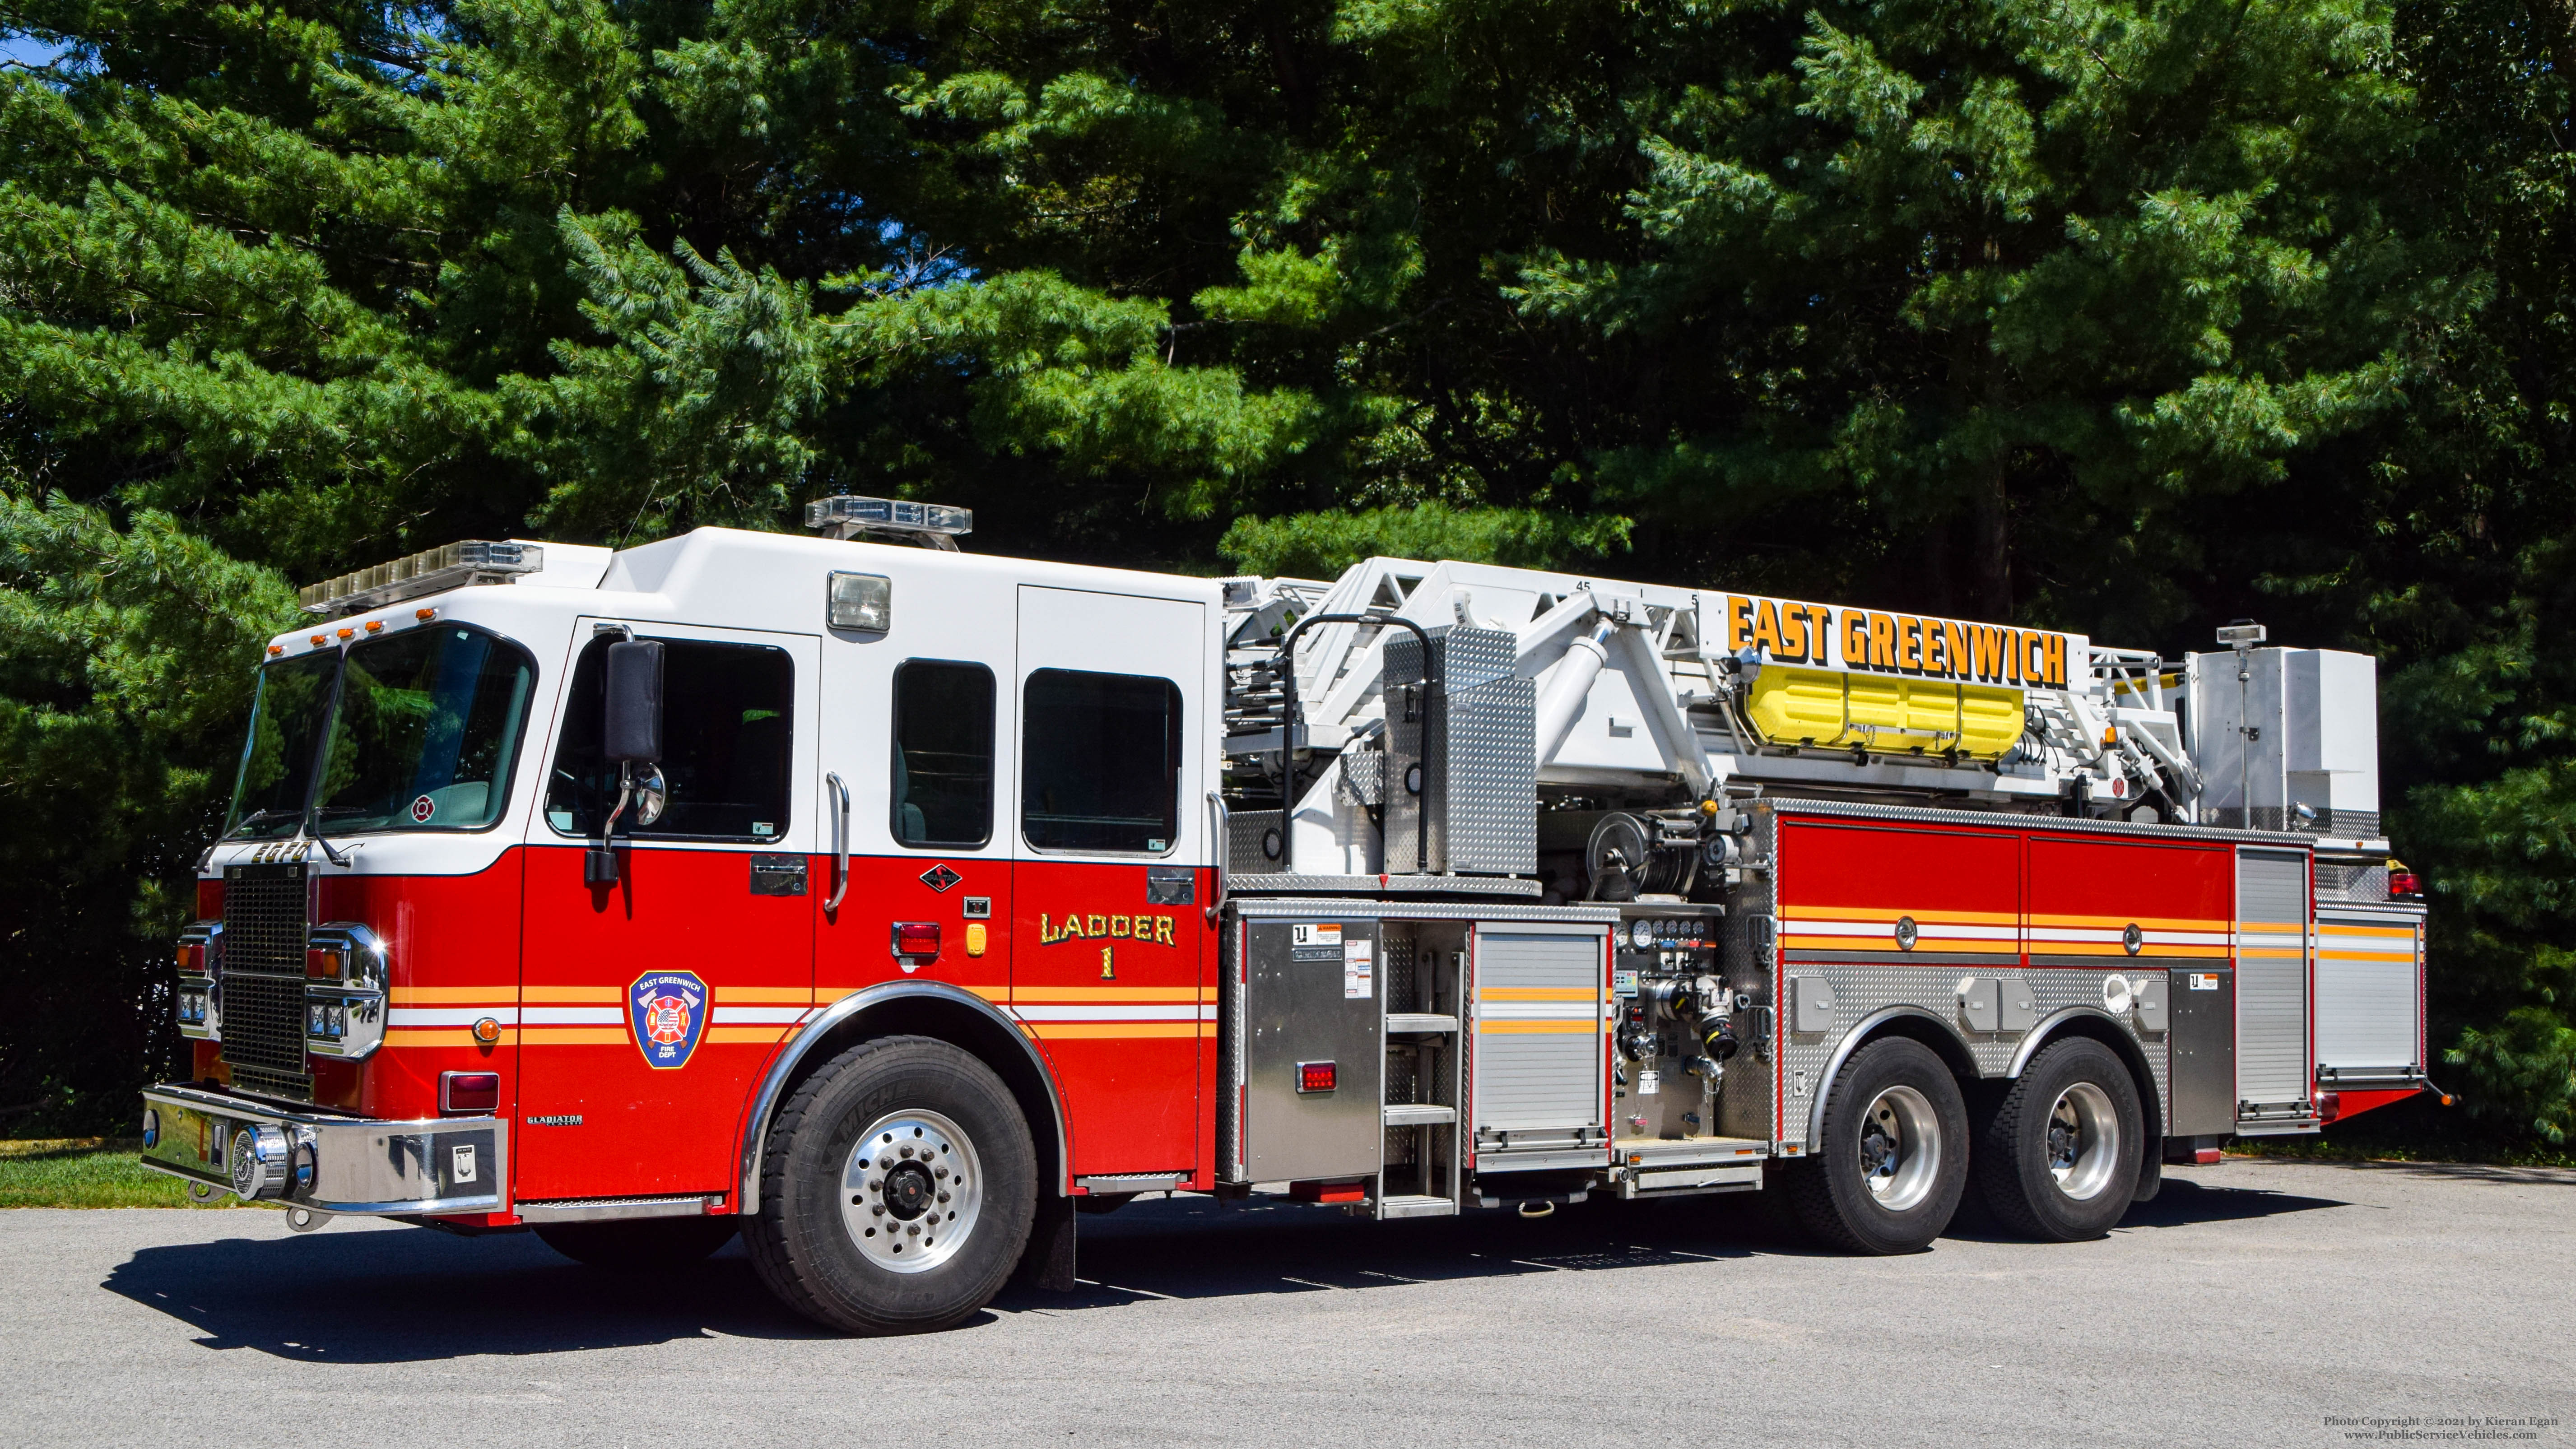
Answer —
886 903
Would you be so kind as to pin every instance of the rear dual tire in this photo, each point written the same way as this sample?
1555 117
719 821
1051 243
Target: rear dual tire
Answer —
2059 1159
1888 1172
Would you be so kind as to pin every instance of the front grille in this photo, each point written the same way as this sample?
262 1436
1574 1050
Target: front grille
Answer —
263 981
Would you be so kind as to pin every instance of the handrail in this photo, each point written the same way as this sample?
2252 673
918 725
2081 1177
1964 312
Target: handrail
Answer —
840 843
1224 845
1293 705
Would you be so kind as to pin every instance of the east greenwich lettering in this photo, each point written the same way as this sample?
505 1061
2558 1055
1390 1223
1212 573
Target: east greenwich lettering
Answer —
1105 928
1863 639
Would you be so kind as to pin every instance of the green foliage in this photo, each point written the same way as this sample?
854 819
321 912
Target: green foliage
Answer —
1321 545
2126 315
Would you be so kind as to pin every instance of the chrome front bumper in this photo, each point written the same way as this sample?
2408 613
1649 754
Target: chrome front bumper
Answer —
326 1162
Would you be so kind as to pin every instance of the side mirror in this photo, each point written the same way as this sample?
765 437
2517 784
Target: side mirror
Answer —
633 718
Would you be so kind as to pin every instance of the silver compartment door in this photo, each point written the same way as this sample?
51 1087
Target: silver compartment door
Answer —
1539 1054
2271 979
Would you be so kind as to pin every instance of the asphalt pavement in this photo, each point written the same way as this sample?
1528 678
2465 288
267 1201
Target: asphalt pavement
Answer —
2254 1302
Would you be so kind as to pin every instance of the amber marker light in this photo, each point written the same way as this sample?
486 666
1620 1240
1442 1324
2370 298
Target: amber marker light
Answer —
317 640
375 626
424 615
347 633
487 1031
276 649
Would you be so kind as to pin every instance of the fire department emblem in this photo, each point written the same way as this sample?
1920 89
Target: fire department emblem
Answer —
669 1012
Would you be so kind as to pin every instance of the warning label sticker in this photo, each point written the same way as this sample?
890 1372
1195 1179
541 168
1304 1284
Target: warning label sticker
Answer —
1359 970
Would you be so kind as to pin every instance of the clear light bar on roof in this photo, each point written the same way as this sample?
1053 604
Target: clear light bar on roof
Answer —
434 570
851 513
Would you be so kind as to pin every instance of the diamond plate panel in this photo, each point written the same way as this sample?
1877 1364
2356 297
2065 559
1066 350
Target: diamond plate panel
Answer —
1861 990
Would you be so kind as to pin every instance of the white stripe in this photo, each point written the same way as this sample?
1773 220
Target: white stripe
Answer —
449 1015
1533 1010
1125 1011
1967 933
573 1015
761 1015
2188 938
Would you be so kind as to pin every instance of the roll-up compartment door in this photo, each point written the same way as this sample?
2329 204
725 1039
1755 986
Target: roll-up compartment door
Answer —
2370 994
2272 1067
1538 1098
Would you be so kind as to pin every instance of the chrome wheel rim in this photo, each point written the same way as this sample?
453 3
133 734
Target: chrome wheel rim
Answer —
2083 1141
911 1191
1900 1148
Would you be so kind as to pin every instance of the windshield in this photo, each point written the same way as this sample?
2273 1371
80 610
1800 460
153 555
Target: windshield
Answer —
424 738
277 760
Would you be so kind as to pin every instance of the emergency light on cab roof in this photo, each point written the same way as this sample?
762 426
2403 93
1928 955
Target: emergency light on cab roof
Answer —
431 571
847 515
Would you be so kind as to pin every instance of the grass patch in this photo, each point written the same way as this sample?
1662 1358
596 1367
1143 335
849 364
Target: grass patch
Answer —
2395 1149
87 1172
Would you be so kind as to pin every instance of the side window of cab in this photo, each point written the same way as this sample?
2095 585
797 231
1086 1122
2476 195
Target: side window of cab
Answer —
727 724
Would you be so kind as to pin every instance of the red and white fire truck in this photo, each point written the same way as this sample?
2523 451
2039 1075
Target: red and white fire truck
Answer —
887 904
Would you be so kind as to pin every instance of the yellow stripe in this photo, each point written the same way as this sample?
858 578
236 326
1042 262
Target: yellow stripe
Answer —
1073 1030
2401 933
764 1035
1797 942
574 1036
2144 923
2365 955
2270 951
1540 993
571 993
426 1037
1875 913
795 995
470 995
1032 995
2278 928
1538 1028
2114 948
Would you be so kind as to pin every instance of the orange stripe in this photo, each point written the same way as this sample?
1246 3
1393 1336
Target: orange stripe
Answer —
571 993
1538 1028
2402 933
2114 948
793 995
1875 913
764 1035
1034 995
1072 1030
2144 923
459 1037
1540 993
2365 955
470 995
574 1036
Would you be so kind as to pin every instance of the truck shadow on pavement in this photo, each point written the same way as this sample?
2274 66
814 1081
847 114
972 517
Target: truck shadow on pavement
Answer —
358 1295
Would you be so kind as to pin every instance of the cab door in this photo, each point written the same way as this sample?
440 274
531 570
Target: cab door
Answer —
915 751
1108 968
650 1007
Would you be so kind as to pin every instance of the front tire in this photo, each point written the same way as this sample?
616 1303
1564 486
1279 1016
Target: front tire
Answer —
1888 1172
896 1191
2060 1158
